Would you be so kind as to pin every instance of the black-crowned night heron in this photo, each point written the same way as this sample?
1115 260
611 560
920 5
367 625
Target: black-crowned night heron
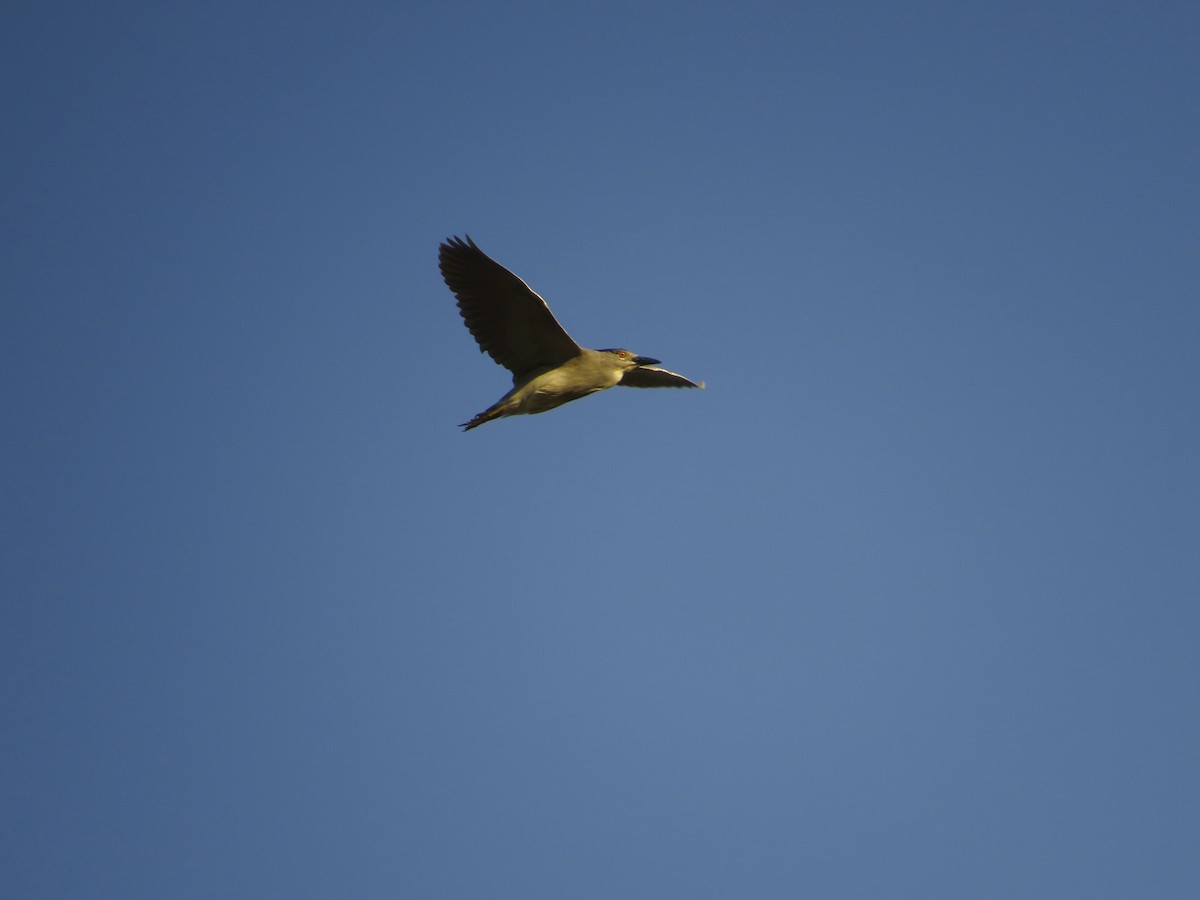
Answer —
516 328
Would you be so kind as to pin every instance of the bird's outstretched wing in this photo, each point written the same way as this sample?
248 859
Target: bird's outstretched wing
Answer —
648 376
508 320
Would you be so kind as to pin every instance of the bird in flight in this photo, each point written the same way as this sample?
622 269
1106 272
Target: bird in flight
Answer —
516 328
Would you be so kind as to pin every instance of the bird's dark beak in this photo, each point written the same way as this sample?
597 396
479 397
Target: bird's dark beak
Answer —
646 361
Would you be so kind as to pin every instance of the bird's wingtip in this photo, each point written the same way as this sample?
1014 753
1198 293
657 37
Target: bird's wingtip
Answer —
455 242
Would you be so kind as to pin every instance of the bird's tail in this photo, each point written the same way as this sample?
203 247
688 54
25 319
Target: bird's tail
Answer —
492 412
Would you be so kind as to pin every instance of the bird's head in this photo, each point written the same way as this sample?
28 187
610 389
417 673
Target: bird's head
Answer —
627 359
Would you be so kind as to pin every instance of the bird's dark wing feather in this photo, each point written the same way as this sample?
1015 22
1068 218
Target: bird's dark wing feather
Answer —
648 376
508 320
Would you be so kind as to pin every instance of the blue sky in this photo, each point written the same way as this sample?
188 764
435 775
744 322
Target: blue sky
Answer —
905 604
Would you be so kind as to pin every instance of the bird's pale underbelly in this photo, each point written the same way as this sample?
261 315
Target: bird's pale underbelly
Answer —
550 390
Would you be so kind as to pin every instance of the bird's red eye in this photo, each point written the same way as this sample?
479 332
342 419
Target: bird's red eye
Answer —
621 353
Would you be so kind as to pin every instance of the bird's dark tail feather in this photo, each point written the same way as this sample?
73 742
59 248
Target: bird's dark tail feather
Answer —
487 415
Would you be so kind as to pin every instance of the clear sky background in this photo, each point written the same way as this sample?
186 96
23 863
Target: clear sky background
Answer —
905 604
